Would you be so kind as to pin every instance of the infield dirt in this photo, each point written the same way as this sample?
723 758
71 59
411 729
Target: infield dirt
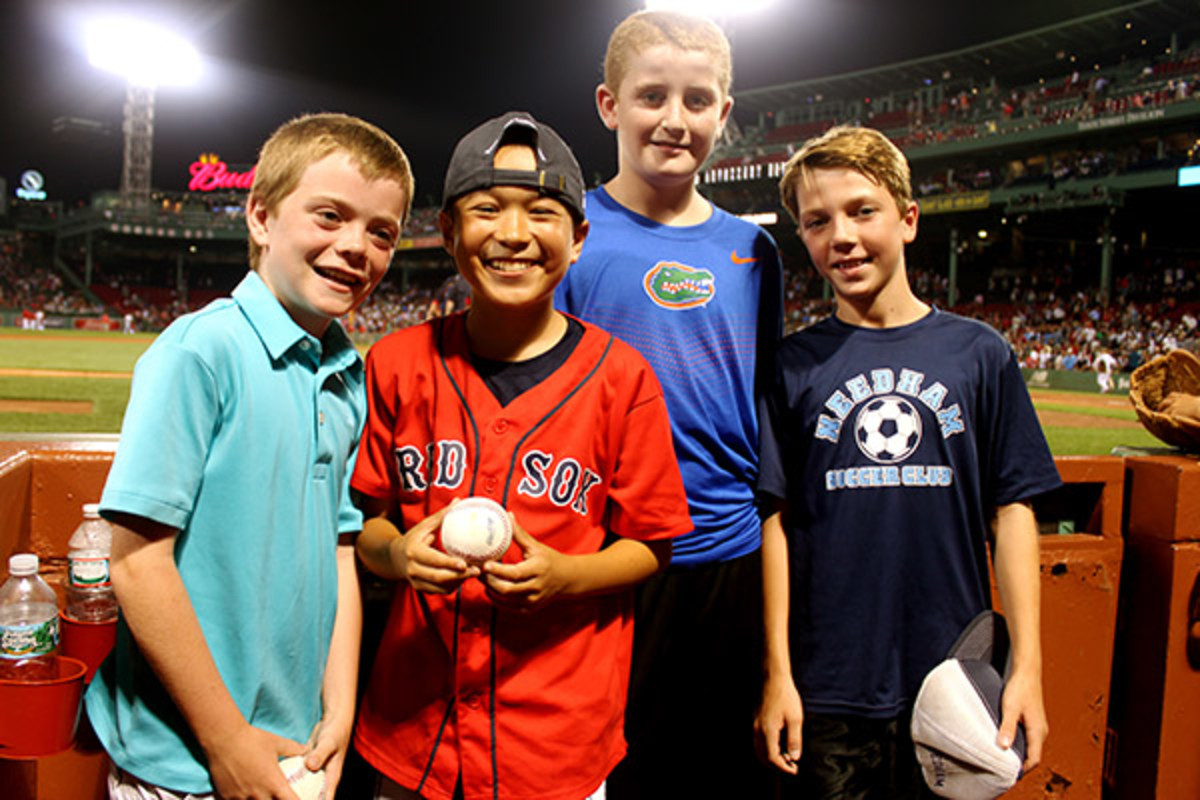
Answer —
1067 419
1048 417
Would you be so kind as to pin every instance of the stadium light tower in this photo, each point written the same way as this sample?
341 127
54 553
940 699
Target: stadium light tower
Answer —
147 56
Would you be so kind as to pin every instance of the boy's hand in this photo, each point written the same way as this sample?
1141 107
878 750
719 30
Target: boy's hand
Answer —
415 555
1023 703
542 573
327 748
779 722
246 765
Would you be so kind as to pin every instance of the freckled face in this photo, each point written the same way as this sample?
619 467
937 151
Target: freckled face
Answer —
328 243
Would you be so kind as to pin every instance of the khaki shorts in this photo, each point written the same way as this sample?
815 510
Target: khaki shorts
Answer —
123 786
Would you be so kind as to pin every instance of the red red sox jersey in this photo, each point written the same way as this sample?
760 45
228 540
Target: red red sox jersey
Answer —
526 705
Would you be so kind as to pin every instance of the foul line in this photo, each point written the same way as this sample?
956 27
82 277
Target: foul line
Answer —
63 373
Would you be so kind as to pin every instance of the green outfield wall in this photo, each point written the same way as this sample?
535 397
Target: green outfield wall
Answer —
1070 380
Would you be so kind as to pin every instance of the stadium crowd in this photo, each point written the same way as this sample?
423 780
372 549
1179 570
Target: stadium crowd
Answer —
976 111
1050 328
1047 317
965 109
36 289
1048 323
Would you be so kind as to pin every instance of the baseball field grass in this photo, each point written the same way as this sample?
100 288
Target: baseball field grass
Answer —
78 382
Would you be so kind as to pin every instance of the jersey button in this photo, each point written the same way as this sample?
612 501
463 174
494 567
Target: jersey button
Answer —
500 426
490 484
472 700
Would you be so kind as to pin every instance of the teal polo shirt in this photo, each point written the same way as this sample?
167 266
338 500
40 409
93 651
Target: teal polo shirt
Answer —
240 432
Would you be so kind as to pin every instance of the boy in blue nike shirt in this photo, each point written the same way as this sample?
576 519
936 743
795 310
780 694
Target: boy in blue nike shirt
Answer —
698 292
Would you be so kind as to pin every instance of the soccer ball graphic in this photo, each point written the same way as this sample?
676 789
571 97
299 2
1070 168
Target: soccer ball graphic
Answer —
888 429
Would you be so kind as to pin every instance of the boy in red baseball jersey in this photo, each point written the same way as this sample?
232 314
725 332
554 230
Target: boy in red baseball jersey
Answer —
509 680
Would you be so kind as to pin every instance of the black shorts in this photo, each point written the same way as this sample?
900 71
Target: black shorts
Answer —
857 758
695 686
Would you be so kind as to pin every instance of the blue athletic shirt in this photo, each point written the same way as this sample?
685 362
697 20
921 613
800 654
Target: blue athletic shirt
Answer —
239 432
701 303
892 448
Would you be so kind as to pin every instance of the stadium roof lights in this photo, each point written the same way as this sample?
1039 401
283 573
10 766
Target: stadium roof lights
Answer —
143 53
1021 58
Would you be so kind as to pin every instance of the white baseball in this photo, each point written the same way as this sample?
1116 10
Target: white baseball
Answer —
476 530
307 785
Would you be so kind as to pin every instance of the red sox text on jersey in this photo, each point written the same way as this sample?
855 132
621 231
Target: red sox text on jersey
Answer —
564 481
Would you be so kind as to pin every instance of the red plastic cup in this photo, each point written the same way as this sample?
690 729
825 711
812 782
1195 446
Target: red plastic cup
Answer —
90 642
39 718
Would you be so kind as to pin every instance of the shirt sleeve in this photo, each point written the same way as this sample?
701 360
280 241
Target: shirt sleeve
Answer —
772 477
770 302
1021 464
174 410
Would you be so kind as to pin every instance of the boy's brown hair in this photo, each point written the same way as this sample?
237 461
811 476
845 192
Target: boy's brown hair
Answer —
645 29
863 150
306 140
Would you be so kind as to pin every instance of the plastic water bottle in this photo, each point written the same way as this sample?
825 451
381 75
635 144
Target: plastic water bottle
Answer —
90 595
28 622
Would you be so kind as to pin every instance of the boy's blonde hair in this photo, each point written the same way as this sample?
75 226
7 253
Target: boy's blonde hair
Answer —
864 150
645 29
306 140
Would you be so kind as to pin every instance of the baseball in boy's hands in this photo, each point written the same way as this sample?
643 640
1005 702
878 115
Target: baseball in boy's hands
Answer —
476 530
307 785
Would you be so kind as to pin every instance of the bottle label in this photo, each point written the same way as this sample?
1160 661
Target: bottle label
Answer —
89 572
23 641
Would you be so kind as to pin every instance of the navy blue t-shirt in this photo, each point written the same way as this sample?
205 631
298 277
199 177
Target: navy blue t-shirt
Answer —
892 447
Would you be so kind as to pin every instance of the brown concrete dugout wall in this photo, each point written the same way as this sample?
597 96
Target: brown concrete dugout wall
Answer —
44 482
1080 575
1154 749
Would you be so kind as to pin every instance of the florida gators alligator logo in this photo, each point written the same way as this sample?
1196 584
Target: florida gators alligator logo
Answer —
678 286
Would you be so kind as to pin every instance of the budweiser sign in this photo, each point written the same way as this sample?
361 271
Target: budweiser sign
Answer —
210 174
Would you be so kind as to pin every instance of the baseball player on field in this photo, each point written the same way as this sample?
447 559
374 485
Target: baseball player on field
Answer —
509 679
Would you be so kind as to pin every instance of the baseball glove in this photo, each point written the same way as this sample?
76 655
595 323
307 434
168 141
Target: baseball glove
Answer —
1177 371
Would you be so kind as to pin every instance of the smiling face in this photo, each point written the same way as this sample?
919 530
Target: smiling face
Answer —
512 244
667 111
327 245
855 233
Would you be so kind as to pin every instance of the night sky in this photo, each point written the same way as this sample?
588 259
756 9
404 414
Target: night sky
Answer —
425 72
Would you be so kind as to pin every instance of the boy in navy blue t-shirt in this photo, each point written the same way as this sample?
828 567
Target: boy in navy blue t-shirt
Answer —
897 437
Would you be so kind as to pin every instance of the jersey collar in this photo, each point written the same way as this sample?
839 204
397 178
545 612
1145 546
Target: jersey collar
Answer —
280 333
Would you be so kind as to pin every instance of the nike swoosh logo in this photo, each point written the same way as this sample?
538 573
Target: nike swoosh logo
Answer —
735 258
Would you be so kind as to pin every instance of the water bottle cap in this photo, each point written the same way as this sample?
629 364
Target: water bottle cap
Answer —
91 510
23 564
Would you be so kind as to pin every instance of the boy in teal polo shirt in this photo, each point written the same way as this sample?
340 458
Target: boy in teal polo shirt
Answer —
233 557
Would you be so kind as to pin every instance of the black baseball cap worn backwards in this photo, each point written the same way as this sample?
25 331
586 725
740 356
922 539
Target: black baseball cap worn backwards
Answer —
957 717
557 175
